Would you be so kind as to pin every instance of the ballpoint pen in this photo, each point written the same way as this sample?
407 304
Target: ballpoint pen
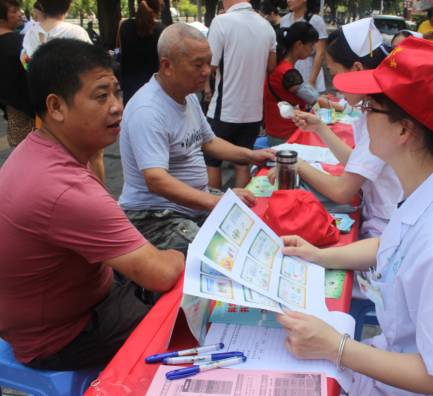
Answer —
193 370
201 358
193 351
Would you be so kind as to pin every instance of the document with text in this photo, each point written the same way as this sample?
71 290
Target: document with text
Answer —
237 258
239 382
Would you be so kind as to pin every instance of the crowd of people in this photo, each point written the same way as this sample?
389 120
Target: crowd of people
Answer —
79 271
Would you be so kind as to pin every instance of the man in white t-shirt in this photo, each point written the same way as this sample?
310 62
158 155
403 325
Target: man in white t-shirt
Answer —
164 135
243 48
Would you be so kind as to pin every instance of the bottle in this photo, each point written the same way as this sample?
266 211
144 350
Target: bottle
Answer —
287 169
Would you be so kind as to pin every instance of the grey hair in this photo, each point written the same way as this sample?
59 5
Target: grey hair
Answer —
171 41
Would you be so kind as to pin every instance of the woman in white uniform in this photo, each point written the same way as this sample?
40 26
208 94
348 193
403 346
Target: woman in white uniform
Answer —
311 67
400 360
357 46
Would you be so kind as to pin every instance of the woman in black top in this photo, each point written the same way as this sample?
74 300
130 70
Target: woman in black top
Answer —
14 97
138 44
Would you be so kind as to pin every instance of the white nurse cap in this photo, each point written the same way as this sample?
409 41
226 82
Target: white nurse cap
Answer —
363 36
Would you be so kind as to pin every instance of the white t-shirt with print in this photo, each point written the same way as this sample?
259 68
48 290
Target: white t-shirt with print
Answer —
37 36
158 132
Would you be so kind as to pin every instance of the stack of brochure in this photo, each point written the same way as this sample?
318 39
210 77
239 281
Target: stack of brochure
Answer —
237 259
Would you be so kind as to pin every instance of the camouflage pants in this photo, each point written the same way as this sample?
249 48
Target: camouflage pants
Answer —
166 229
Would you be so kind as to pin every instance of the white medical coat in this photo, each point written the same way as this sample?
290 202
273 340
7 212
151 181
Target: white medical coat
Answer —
405 265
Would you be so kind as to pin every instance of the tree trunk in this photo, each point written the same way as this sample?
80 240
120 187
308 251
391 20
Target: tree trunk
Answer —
109 17
166 14
131 8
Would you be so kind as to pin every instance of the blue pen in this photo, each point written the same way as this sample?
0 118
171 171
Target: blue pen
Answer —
193 370
201 358
193 351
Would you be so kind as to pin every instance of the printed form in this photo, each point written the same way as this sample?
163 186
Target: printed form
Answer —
264 347
239 382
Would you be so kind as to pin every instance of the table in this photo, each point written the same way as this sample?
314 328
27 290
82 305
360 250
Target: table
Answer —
127 374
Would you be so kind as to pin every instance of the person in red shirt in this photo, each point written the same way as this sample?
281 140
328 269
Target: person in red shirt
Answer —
63 234
296 42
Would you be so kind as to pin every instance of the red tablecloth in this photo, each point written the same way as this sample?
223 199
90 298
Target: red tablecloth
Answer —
127 373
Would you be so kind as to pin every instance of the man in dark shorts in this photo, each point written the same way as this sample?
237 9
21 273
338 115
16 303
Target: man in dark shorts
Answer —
243 46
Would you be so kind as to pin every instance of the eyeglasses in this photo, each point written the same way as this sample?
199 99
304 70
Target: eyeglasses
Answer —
365 107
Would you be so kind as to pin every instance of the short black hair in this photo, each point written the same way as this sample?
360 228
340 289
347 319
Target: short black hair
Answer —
430 13
313 7
54 8
56 68
404 33
339 50
299 31
269 8
4 7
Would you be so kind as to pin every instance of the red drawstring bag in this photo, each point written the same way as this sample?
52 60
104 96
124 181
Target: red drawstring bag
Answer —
299 212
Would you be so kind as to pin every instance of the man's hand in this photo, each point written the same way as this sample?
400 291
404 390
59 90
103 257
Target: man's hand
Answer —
428 35
246 196
309 337
212 201
260 156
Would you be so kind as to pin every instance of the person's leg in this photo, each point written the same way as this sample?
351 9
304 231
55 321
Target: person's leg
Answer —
165 229
214 176
111 323
245 136
242 175
222 130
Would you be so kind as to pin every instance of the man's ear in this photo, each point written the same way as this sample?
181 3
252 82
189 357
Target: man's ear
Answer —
165 66
56 107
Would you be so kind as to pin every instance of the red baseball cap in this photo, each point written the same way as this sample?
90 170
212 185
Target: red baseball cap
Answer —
405 76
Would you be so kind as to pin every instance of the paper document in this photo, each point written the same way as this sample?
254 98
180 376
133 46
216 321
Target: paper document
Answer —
201 280
265 350
310 153
235 242
239 382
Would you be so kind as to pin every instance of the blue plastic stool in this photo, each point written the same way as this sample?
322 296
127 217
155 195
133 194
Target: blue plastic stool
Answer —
364 313
40 382
261 143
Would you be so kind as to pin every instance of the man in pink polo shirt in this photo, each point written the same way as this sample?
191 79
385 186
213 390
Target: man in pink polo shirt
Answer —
62 232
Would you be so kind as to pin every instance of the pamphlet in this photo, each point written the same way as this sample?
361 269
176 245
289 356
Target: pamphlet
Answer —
236 243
